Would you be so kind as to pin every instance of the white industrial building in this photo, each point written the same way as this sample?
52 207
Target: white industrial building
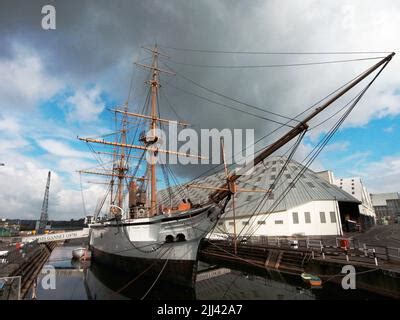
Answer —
311 207
356 188
386 206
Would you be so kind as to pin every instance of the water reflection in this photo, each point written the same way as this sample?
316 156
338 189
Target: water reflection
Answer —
77 280
103 283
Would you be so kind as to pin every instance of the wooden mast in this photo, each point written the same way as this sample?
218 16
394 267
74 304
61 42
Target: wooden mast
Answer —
154 92
120 158
122 166
232 189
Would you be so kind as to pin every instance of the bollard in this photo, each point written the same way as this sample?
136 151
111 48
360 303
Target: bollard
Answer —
34 296
375 258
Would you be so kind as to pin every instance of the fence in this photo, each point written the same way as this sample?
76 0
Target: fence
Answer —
345 248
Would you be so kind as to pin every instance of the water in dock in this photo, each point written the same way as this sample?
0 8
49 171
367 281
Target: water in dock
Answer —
85 281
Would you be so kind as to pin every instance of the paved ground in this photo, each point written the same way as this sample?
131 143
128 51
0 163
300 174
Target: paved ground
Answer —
381 235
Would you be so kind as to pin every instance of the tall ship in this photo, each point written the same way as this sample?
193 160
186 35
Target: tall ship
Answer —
142 234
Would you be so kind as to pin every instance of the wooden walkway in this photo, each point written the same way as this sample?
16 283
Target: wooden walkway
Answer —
287 257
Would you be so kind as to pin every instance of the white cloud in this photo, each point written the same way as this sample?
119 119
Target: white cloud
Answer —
85 105
382 175
337 146
22 191
24 81
60 149
9 125
10 135
24 84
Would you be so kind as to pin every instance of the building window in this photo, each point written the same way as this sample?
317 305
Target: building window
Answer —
333 217
231 223
261 222
273 177
249 198
295 217
278 221
307 217
245 223
288 176
273 162
220 223
322 217
273 169
271 196
310 184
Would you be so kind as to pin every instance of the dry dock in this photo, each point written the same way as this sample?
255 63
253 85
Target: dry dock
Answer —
377 270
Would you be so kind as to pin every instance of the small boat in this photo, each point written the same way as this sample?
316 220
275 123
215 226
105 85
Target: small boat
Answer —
81 253
314 281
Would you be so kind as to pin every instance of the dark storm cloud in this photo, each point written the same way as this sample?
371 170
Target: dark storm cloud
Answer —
96 41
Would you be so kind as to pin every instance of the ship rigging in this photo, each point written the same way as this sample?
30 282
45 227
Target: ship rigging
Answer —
132 239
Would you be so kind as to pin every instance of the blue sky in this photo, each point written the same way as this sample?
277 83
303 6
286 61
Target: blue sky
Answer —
357 147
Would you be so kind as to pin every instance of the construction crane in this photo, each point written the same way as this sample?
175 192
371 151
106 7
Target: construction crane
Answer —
41 226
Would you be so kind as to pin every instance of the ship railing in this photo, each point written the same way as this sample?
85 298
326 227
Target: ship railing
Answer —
337 248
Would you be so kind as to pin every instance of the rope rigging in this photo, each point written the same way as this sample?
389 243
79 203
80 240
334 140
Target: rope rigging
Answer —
272 65
315 152
274 53
166 170
225 96
258 141
229 107
215 205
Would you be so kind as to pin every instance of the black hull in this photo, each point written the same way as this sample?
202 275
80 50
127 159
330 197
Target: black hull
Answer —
178 272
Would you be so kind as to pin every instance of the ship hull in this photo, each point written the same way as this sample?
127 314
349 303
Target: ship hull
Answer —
179 272
160 247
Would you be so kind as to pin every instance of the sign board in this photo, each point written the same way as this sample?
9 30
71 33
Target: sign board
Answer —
58 236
